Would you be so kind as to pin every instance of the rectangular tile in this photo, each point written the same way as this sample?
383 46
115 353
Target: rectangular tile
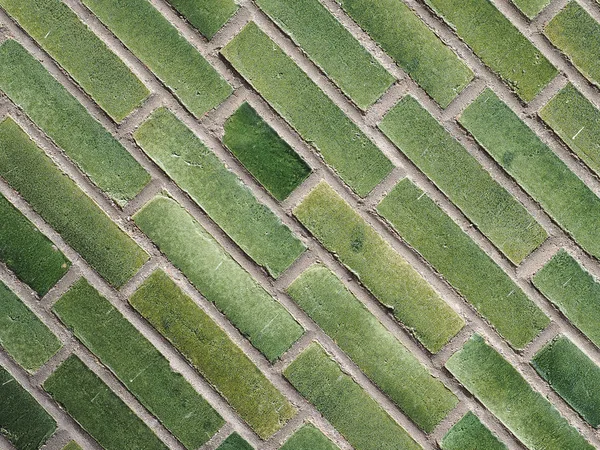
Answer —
219 191
235 442
344 403
498 43
16 403
72 446
413 46
268 158
85 141
428 229
139 366
531 8
504 391
308 437
391 279
32 257
386 361
574 291
573 375
64 206
462 178
301 102
98 410
207 17
159 45
213 354
331 47
536 168
218 277
470 433
81 53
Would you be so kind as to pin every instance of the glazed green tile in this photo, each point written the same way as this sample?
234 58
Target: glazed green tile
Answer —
577 35
58 30
139 366
208 16
65 207
574 291
470 434
85 141
428 229
391 279
72 446
218 277
531 8
235 442
331 47
219 191
577 121
158 44
308 437
22 334
364 424
495 212
212 353
413 46
573 375
23 421
27 252
322 295
98 410
269 159
498 43
504 391
307 108
539 171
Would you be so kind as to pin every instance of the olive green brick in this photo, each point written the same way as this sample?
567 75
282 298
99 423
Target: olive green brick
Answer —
207 17
235 442
309 437
470 434
531 8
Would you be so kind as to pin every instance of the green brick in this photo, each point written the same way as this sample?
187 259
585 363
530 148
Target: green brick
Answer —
577 121
97 409
159 45
536 168
60 202
470 434
207 17
428 229
15 405
531 8
219 191
22 334
573 375
357 332
495 212
574 291
577 35
308 437
391 279
269 159
413 46
331 47
72 446
213 354
139 366
27 252
218 277
345 404
498 43
504 391
301 102
81 53
85 141
235 442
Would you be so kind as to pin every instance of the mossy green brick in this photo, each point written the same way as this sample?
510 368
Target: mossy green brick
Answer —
139 366
207 17
504 391
235 442
309 437
206 346
219 191
379 354
496 213
66 208
218 277
391 279
531 8
27 252
307 108
100 72
470 434
539 171
72 446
